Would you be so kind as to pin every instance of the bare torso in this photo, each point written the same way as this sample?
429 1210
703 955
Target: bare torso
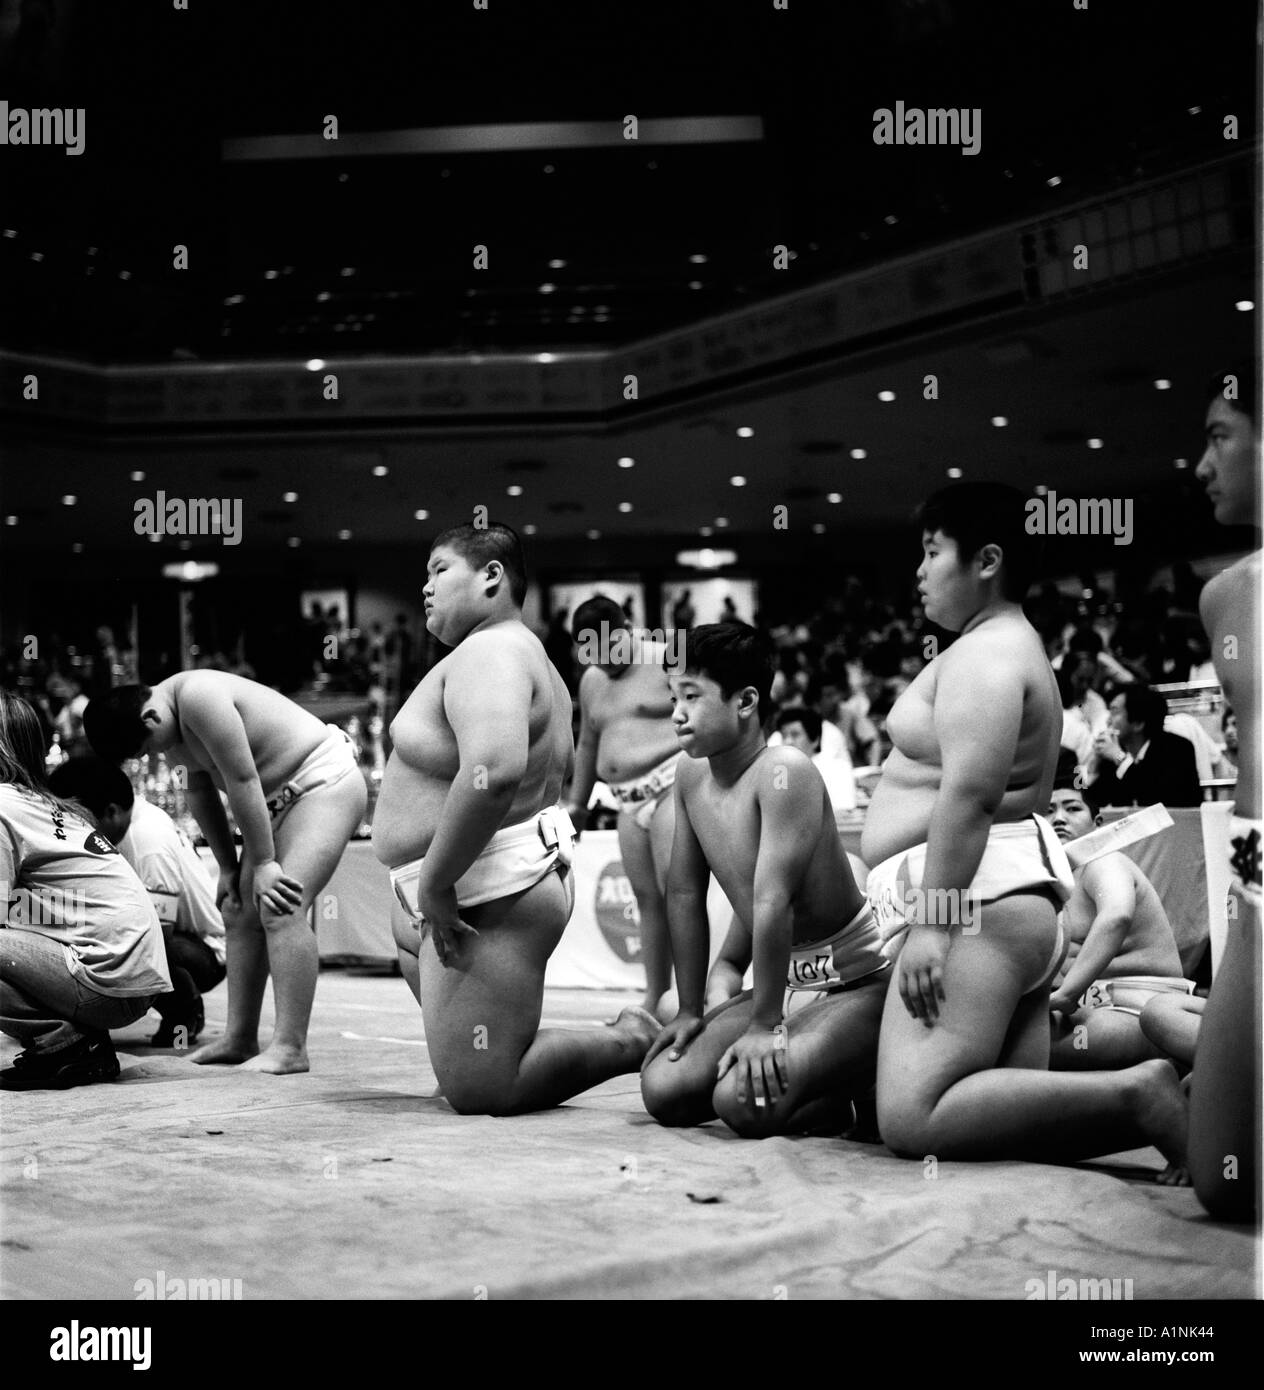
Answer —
281 734
631 716
726 821
425 758
899 814
1149 947
1230 608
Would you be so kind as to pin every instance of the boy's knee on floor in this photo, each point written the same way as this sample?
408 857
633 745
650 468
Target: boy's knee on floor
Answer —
667 1095
743 1117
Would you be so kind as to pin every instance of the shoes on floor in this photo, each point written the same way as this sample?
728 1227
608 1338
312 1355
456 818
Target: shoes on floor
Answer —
166 1034
83 1062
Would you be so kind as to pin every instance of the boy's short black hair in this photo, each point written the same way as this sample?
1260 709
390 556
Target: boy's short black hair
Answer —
1242 369
734 655
1068 778
93 783
113 725
593 612
480 545
979 514
798 714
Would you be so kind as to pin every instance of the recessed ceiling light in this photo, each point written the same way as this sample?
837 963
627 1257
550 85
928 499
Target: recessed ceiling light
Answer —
185 545
698 258
37 255
10 521
594 535
323 297
380 470
1163 384
745 432
294 542
344 535
860 453
270 274
289 497
886 395
737 480
721 521
1000 421
69 500
1180 463
835 497
1054 180
547 288
137 476
1194 110
315 364
695 284
155 538
625 506
706 531
626 462
819 527
546 357
125 275
557 265
514 489
1244 306
529 529
420 514
77 547
1094 443
954 472
347 271
1040 490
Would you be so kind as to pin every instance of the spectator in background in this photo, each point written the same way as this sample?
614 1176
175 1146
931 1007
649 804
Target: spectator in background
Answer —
1136 762
559 649
179 886
1084 713
801 728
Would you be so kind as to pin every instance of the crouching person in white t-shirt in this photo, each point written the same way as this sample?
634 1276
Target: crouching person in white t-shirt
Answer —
180 888
81 948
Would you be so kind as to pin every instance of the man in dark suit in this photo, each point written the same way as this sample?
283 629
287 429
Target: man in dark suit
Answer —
1136 762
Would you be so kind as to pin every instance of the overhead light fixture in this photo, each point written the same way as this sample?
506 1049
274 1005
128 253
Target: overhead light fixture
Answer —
705 531
514 490
1054 180
721 522
137 475
315 364
859 453
69 500
737 480
1163 384
347 271
695 284
1040 490
1000 421
380 470
344 535
594 535
835 498
289 497
1180 463
698 258
421 514
886 395
627 462
547 288
1244 306
10 521
546 357
625 506
270 274
557 265
706 558
191 571
745 432
819 528
1095 444
954 472
529 529
294 542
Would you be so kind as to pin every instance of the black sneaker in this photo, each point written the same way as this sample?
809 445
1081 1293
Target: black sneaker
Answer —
80 1064
193 1025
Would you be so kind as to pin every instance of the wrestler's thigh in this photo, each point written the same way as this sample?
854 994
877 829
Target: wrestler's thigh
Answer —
986 974
696 1068
1224 1091
834 1042
311 839
637 856
482 1012
1030 1037
408 947
662 832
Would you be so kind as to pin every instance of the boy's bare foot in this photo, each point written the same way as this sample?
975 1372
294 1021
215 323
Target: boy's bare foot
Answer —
1162 1109
640 1028
224 1052
279 1061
